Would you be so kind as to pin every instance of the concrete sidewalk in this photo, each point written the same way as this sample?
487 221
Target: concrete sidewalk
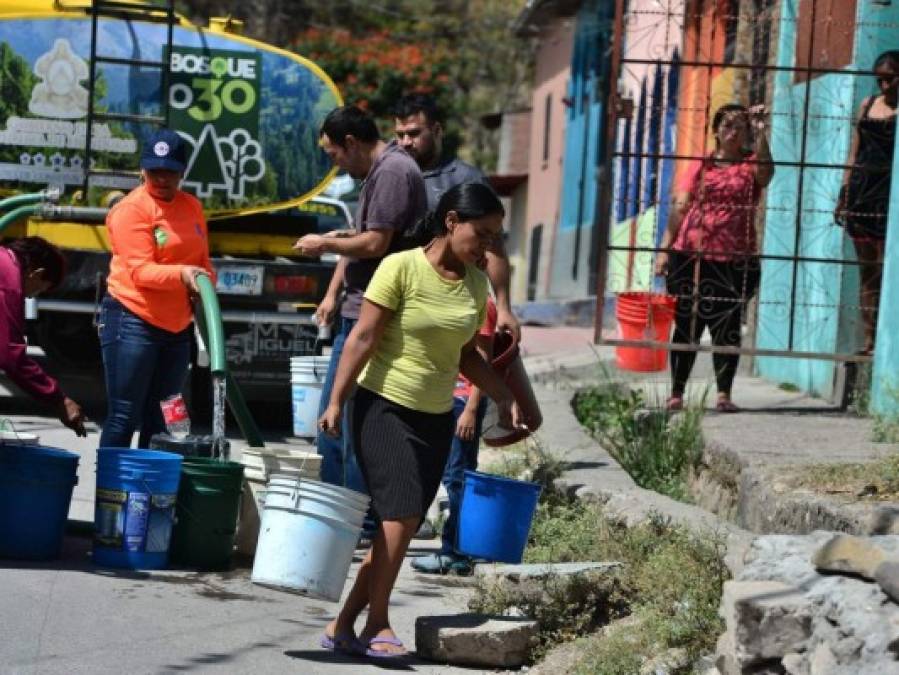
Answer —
69 617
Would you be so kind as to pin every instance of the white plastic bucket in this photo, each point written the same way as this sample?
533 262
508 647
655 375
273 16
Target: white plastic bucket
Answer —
303 550
18 437
357 499
298 499
351 510
259 465
294 462
251 501
307 375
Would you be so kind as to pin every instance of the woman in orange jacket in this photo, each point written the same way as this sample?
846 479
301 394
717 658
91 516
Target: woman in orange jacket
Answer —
159 247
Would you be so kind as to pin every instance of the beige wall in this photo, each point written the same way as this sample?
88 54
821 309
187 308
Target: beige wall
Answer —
552 69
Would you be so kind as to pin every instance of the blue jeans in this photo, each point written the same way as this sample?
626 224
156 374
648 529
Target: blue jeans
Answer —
463 455
143 365
338 465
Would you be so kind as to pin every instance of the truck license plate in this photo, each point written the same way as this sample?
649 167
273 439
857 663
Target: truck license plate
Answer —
240 280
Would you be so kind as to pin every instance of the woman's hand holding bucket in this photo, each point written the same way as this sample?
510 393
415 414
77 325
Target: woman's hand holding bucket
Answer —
329 422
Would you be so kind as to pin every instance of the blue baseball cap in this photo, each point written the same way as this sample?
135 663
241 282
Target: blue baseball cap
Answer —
164 149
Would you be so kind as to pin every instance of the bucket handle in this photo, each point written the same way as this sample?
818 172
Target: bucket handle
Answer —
6 424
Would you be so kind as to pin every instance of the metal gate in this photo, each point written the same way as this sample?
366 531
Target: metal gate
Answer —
764 266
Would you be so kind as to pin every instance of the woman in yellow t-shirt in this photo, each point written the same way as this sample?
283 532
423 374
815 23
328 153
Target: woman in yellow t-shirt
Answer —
415 333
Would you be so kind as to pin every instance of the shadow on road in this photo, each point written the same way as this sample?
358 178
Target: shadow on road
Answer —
340 658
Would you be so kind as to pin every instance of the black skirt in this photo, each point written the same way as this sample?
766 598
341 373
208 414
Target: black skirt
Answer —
402 453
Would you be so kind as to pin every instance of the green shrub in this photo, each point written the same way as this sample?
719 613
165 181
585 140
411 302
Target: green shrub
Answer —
670 583
656 449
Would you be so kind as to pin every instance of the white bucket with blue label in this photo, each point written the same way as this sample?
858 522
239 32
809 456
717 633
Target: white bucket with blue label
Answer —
307 375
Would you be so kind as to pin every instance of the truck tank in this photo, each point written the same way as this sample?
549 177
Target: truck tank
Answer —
86 81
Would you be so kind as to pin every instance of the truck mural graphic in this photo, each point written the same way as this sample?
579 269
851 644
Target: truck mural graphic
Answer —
250 112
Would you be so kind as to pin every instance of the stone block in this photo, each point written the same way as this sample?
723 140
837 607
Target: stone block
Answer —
475 640
887 577
883 520
845 553
767 620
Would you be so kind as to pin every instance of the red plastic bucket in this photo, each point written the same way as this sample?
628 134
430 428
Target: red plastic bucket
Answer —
644 316
507 363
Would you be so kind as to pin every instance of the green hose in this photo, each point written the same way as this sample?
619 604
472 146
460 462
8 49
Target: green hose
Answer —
215 342
210 323
23 200
8 218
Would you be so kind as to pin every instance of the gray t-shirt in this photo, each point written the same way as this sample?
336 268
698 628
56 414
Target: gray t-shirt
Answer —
392 198
451 173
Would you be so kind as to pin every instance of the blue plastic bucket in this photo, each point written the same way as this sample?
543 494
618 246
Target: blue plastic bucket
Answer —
36 486
495 517
135 507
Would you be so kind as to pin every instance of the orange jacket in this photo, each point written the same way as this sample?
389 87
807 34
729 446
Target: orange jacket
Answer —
151 242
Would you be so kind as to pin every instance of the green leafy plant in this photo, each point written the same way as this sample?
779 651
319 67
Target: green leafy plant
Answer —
669 583
656 449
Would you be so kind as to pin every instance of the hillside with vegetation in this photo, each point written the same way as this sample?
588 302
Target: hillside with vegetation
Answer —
462 52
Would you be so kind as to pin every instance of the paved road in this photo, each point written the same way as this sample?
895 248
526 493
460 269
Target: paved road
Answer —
68 616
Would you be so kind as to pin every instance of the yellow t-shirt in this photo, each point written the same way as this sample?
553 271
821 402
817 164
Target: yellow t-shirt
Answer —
417 361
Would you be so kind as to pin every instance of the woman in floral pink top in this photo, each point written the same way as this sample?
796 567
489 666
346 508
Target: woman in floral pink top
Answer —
709 251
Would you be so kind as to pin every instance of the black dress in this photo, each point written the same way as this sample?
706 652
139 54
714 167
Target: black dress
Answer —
868 196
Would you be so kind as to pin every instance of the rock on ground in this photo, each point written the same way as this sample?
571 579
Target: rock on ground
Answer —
784 616
475 640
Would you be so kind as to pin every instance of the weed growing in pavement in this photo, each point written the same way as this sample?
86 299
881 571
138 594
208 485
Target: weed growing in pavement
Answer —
877 480
861 390
670 582
656 449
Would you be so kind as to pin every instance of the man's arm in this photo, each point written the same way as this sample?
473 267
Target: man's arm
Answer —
368 244
498 273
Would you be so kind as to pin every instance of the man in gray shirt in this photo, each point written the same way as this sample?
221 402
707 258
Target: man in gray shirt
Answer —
419 130
391 201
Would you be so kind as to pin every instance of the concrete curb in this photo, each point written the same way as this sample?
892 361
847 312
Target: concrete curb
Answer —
593 475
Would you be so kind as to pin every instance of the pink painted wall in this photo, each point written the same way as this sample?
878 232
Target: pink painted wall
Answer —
551 73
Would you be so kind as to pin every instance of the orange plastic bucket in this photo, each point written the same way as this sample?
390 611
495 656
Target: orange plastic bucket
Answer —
644 316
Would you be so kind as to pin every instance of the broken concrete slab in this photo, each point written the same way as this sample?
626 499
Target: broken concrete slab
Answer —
883 520
846 553
887 577
765 619
537 571
854 625
475 640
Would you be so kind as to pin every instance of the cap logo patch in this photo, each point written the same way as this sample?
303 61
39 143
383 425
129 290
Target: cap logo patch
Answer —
161 149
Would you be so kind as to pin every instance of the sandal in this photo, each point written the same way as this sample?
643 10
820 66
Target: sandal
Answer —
436 563
725 405
345 643
383 654
674 404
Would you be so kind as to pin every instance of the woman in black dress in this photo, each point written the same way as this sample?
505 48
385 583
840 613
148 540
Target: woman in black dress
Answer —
865 195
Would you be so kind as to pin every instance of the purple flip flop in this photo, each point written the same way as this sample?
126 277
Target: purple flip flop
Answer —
380 654
345 644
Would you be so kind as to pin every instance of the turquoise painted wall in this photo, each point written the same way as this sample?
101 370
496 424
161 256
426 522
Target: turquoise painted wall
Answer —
584 109
826 294
878 33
